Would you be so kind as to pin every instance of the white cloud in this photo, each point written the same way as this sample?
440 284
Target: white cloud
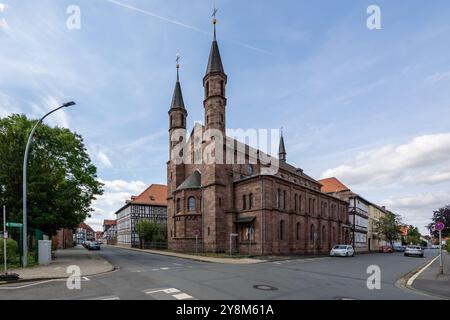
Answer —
418 209
114 197
402 164
104 160
438 76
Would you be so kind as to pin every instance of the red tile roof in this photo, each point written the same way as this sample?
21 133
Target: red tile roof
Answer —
109 222
86 227
331 185
156 195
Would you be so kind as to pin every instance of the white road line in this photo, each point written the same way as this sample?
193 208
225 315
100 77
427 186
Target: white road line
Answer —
86 279
25 286
165 268
167 290
182 296
177 264
109 298
414 277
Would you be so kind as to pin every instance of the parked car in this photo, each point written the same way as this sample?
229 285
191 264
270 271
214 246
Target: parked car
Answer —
342 251
99 242
435 246
399 248
92 245
386 249
414 251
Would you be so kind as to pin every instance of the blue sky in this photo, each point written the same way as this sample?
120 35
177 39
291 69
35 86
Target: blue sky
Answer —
368 106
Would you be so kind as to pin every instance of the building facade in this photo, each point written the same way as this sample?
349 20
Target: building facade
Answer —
358 211
110 231
63 239
375 242
84 233
150 204
238 206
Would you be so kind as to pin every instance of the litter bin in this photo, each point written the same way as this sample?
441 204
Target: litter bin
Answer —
45 252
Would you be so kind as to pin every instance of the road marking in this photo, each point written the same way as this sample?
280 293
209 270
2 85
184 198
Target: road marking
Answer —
178 264
106 298
182 296
165 268
168 291
414 277
86 279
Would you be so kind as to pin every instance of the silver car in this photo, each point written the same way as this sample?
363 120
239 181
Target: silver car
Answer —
342 251
413 251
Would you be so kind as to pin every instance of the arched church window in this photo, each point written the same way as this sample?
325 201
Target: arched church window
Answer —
191 204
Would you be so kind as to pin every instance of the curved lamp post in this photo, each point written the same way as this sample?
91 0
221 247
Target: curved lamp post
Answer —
25 161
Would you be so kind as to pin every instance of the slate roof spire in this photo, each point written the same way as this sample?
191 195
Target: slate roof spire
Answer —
214 62
177 98
282 149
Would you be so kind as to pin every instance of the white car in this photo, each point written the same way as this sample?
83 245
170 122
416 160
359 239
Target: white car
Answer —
342 251
413 251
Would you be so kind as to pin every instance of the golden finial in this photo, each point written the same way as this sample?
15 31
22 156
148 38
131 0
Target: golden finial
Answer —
215 20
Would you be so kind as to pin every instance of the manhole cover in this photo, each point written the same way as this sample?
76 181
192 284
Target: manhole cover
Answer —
264 287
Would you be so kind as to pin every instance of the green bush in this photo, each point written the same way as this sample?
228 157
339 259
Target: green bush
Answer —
12 251
447 245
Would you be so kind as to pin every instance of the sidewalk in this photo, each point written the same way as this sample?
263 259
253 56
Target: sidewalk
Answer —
196 257
432 282
89 263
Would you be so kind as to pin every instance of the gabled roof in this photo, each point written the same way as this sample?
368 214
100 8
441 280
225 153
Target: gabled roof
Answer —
332 185
215 61
86 227
109 222
156 194
192 182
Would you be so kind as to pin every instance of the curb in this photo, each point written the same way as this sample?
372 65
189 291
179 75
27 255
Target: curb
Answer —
407 280
112 269
194 258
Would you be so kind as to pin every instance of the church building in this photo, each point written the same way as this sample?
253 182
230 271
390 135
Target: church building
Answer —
238 206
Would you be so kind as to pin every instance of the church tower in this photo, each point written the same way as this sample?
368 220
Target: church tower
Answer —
177 135
214 82
216 181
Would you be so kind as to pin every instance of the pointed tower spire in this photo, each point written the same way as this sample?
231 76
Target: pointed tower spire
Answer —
282 149
214 62
177 98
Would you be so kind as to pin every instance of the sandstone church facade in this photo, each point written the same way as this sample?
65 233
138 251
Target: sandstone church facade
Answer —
222 206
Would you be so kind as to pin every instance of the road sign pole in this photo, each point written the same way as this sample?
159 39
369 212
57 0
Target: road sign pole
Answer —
441 266
4 240
196 244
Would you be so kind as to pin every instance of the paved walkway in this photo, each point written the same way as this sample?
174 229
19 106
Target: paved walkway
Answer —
88 261
432 282
197 257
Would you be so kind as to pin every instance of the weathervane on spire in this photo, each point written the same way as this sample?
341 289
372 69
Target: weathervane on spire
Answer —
214 20
178 65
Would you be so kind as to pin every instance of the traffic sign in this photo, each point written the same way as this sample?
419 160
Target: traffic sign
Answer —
439 226
5 235
196 232
14 225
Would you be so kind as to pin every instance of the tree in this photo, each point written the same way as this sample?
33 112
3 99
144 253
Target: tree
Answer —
62 181
413 236
389 227
440 215
151 231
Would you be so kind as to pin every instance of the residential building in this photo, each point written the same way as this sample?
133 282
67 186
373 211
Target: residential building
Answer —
110 231
84 233
374 241
358 210
98 235
150 204
210 203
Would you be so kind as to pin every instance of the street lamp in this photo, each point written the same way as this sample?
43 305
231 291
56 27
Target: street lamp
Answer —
24 183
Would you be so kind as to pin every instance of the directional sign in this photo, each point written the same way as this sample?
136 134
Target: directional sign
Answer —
14 225
439 226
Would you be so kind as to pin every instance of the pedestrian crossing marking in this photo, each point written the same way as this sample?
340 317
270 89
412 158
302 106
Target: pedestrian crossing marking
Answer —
182 296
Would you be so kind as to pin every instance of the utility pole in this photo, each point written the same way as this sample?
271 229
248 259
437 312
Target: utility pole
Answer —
441 266
4 240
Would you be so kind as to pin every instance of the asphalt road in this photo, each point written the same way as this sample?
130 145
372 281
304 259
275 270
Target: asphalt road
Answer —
144 276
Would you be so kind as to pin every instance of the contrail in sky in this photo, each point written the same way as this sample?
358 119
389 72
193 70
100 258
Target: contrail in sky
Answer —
180 24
